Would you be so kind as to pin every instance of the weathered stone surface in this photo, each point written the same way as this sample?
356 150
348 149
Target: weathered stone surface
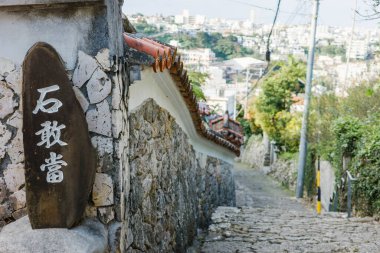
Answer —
106 214
7 104
103 58
117 123
20 213
85 68
5 212
54 199
102 193
270 220
98 87
3 189
14 80
15 120
173 190
18 200
19 237
5 136
14 176
91 212
114 236
104 147
99 119
6 67
15 149
81 99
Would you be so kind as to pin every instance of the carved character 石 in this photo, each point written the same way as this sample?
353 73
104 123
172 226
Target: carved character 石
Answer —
41 103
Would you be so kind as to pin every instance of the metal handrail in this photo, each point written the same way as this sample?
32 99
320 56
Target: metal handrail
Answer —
350 179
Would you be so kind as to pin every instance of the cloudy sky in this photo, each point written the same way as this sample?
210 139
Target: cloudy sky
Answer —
332 12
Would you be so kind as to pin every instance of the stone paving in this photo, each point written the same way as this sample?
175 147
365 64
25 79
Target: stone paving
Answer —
269 219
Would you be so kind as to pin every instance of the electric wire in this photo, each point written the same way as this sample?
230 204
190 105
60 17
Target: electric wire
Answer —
266 8
267 55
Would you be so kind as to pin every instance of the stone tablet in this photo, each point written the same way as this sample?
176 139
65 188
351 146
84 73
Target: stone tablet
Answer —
60 162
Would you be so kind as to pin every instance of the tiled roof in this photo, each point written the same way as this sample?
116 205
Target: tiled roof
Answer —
165 56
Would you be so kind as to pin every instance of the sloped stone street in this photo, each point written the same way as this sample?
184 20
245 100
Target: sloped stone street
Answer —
268 219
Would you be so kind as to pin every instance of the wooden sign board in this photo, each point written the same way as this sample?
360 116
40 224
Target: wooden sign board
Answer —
60 162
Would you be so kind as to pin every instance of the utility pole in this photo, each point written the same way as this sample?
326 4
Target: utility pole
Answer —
305 119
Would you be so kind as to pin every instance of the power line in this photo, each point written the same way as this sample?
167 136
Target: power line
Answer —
267 56
271 30
267 8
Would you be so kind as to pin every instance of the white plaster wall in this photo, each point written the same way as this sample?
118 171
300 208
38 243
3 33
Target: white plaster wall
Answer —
66 31
327 183
164 91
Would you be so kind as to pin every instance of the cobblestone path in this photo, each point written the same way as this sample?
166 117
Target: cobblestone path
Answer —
268 219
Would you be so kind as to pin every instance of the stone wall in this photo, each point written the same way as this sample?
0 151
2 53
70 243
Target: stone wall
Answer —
98 86
12 179
284 171
174 189
92 51
254 151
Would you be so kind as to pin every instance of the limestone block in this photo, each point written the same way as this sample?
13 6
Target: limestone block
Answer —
103 145
6 67
14 177
18 200
4 213
147 185
20 213
98 87
115 236
117 123
15 149
15 120
19 237
130 238
5 136
106 214
103 58
104 148
14 80
117 95
81 99
3 189
91 212
86 66
7 104
99 119
102 193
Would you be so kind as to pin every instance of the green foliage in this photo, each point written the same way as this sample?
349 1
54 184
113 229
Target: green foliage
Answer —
224 47
310 172
347 131
197 79
272 107
331 50
246 127
144 27
350 127
366 165
198 92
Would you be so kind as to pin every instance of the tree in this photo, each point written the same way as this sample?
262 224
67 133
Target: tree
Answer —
272 107
144 27
198 79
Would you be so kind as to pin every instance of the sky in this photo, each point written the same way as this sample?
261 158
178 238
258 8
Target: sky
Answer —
332 12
